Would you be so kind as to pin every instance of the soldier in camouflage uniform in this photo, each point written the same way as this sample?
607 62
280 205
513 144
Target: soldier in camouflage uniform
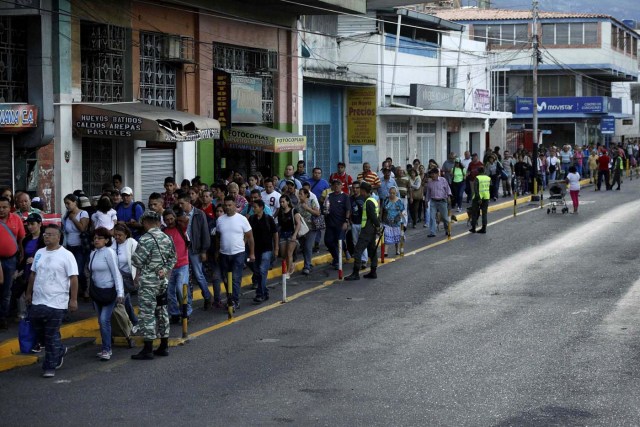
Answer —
154 259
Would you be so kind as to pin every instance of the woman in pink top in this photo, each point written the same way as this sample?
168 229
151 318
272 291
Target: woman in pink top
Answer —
180 272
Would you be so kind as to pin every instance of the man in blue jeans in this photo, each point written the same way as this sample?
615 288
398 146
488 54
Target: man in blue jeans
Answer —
337 208
53 289
234 234
200 240
265 236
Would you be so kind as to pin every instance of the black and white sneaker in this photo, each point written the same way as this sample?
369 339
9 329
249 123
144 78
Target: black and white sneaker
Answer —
64 353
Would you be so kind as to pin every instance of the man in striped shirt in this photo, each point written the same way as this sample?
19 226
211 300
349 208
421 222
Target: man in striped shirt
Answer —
369 177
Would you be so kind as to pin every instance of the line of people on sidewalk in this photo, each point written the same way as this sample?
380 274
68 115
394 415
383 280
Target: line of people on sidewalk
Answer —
197 234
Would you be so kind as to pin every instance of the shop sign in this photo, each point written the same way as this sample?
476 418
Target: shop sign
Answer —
246 99
436 97
15 117
608 125
481 100
563 105
222 98
361 116
108 126
242 139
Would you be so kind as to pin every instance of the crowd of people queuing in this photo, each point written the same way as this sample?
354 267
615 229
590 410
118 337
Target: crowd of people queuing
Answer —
195 233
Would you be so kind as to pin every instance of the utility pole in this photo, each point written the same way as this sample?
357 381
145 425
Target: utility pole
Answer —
536 59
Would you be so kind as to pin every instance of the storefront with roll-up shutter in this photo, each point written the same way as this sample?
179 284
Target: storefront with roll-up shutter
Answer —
155 164
142 143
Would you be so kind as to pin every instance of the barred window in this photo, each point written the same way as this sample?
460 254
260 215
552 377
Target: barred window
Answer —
157 77
102 61
13 59
254 63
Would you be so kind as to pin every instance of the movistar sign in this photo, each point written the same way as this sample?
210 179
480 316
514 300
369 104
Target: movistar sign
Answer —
564 105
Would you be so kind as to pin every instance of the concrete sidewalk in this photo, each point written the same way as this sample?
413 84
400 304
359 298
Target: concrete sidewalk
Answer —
82 329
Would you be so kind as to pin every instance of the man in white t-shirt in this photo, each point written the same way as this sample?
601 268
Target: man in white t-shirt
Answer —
271 197
53 289
234 233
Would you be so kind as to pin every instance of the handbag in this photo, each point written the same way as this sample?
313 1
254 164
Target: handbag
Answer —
26 335
417 194
304 228
317 222
101 296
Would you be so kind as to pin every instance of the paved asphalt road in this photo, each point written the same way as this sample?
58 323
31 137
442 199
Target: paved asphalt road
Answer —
535 323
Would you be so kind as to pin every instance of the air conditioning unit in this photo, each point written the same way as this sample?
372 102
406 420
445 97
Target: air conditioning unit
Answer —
178 49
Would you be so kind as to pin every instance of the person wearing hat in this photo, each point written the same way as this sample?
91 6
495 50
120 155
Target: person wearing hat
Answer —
129 212
337 208
30 245
153 259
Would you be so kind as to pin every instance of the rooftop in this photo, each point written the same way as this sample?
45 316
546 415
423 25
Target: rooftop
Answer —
473 14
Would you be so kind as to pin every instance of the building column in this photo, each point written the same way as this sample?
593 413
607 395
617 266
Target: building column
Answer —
63 140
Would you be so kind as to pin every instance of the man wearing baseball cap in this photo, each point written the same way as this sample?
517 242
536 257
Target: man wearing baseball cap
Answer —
129 212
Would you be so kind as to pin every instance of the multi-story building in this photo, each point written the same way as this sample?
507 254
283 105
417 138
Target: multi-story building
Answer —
581 56
413 86
149 90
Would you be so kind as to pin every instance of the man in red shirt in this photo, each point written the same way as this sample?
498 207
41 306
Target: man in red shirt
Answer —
343 177
472 172
603 170
11 235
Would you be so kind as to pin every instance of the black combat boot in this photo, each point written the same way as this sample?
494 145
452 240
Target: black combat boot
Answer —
372 274
483 230
163 349
355 275
207 304
146 353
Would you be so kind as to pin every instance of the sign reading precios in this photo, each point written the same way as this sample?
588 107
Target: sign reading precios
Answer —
361 116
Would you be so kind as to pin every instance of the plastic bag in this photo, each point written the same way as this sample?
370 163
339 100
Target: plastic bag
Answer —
26 335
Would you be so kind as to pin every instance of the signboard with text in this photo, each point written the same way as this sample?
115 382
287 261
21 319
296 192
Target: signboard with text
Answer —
608 125
436 97
222 98
17 117
246 99
361 116
481 100
564 105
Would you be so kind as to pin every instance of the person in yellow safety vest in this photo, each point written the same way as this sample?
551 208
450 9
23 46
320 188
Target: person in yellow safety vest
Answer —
370 229
481 196
618 167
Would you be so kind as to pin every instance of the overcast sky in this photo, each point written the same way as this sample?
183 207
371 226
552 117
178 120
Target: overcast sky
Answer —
619 9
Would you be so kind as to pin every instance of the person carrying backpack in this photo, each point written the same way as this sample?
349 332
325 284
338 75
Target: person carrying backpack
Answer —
129 212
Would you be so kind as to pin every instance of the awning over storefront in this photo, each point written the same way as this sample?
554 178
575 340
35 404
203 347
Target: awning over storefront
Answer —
262 138
137 121
18 117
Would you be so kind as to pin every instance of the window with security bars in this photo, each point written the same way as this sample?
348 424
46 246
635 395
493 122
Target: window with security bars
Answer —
253 63
13 59
157 77
398 141
97 165
426 142
318 152
102 62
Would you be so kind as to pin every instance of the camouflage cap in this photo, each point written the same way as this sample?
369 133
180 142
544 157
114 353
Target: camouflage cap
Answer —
150 215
